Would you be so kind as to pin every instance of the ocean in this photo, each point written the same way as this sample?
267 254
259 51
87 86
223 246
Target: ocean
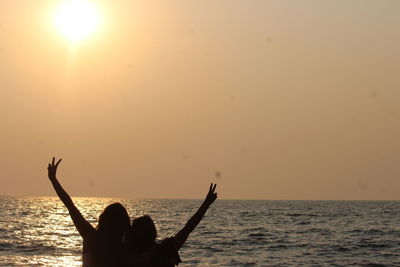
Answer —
39 232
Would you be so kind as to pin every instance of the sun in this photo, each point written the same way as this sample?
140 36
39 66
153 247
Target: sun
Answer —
76 19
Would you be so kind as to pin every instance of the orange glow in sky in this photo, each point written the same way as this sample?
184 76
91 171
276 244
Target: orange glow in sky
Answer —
156 99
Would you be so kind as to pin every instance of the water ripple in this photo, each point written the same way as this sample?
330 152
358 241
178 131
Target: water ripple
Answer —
38 231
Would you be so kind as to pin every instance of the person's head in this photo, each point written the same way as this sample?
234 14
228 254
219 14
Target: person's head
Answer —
114 220
143 232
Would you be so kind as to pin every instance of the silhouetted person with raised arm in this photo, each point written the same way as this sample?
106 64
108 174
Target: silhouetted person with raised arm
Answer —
145 251
101 245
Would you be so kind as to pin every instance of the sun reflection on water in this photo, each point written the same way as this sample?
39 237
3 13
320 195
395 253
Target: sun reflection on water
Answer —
40 261
39 231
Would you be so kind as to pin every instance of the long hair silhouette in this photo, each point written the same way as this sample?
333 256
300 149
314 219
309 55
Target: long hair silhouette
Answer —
142 234
114 220
101 245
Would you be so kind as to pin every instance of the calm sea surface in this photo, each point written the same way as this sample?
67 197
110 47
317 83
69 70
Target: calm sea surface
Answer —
39 231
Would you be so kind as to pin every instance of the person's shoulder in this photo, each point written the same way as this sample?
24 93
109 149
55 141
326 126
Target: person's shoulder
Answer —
167 242
94 236
167 251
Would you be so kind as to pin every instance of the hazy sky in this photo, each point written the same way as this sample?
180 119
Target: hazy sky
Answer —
285 99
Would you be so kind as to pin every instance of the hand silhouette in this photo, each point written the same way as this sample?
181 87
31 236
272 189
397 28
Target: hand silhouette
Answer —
52 169
211 196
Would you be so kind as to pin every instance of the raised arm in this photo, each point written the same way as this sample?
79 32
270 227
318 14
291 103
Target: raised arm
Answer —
85 229
183 234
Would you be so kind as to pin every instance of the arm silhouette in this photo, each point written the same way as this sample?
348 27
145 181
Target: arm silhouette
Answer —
84 228
183 234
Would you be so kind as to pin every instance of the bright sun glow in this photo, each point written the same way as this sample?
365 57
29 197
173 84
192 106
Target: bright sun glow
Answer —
77 19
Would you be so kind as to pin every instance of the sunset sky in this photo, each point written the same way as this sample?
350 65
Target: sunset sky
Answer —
269 99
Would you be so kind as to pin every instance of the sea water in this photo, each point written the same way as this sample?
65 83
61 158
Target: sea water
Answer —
39 231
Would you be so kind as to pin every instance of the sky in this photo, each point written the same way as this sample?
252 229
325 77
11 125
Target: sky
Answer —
269 99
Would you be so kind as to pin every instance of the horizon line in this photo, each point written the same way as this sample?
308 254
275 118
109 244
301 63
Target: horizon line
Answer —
162 198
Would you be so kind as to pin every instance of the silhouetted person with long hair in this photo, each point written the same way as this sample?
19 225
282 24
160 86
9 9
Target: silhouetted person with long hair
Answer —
101 245
145 251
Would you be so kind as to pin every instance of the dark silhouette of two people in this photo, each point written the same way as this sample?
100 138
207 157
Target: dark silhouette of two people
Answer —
116 242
